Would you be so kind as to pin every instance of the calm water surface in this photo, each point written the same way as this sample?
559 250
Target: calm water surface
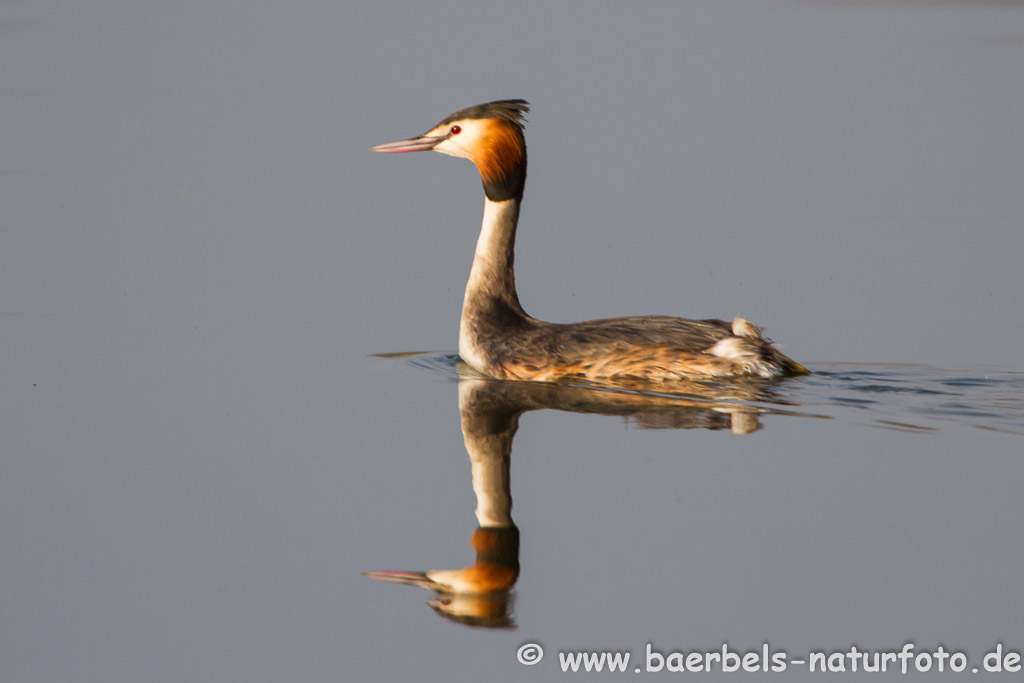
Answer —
859 499
201 456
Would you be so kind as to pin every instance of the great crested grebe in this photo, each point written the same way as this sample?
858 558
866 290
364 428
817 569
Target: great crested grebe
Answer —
498 338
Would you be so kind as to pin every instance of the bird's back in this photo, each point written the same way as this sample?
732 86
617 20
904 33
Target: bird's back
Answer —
653 348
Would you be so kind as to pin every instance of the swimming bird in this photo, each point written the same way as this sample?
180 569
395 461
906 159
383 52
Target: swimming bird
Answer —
498 338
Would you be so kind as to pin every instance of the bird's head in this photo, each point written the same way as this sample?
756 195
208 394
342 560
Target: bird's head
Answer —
490 135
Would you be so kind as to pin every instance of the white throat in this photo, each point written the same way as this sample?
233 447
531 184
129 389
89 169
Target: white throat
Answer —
492 278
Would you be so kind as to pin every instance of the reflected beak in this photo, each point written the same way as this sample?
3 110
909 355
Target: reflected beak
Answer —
410 578
423 143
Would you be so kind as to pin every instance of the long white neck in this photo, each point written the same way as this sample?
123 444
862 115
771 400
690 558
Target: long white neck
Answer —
493 274
491 302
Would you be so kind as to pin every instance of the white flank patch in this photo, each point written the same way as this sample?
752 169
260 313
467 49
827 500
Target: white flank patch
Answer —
732 348
744 354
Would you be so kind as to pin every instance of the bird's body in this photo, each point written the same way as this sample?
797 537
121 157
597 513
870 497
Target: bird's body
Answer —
499 339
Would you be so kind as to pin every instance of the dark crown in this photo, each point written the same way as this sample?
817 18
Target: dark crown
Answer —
512 111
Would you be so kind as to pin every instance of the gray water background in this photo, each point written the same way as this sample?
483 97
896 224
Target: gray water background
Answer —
198 259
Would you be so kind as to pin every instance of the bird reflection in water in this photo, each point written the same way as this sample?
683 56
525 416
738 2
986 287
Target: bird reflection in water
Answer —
481 594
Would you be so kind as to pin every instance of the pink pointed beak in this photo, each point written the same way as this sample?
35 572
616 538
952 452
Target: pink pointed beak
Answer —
421 144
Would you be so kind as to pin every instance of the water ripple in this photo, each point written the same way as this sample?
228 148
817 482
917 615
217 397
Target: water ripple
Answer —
922 398
908 398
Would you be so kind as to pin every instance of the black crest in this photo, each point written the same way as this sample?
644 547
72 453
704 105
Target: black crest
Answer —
513 111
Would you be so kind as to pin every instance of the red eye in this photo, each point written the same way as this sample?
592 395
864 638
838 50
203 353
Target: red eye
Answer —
456 130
